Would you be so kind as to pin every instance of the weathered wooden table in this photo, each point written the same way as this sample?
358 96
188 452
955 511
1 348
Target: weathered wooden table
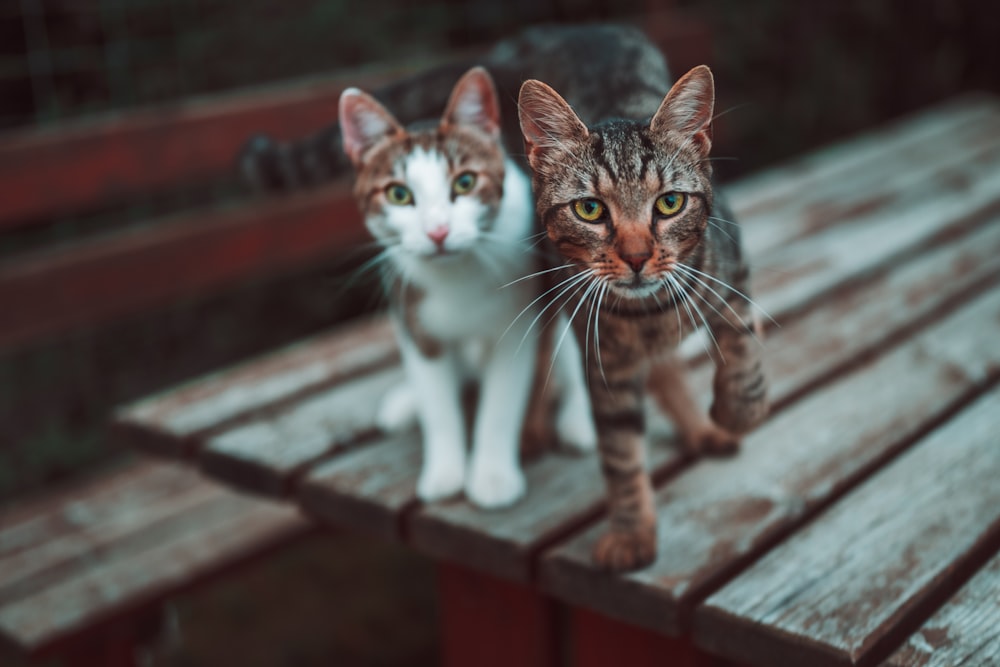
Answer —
842 534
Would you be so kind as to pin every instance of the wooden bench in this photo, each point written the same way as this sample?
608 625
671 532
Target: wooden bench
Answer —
78 567
84 570
878 257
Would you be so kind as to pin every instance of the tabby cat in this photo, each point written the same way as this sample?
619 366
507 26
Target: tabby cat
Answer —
642 250
454 217
627 200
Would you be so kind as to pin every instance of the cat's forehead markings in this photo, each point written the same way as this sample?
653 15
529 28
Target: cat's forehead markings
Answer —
426 172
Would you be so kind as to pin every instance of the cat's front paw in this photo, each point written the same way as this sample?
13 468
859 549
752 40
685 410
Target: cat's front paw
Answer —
494 487
711 440
624 550
441 480
739 415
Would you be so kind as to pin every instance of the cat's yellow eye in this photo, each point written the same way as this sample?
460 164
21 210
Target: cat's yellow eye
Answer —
463 183
398 195
670 203
588 210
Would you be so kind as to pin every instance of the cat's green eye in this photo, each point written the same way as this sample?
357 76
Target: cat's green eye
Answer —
398 195
670 203
463 183
588 210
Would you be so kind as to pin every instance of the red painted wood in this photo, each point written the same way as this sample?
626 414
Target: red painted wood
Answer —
489 622
79 165
598 641
90 283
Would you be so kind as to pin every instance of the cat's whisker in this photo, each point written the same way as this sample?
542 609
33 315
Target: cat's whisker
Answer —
597 332
537 273
724 302
569 325
693 305
566 295
732 289
565 284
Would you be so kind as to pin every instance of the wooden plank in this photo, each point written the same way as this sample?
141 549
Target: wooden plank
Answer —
366 489
180 258
82 164
793 275
157 562
488 622
842 589
877 171
965 631
55 544
263 455
772 187
182 416
719 515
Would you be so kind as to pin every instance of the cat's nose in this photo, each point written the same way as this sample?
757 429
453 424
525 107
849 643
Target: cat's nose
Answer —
637 260
438 235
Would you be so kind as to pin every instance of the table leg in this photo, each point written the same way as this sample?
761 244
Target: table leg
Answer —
489 622
598 641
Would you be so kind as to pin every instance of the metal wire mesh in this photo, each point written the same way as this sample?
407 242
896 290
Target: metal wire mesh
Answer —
64 58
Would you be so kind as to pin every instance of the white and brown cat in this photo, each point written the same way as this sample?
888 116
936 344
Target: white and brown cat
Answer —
455 218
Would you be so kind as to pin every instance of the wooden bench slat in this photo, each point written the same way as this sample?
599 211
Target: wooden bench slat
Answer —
77 534
796 273
81 164
719 515
367 488
838 590
168 561
965 631
187 257
778 185
180 417
263 455
833 192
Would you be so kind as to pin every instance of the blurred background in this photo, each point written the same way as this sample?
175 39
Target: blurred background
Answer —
791 76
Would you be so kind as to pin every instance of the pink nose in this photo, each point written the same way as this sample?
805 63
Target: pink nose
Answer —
438 235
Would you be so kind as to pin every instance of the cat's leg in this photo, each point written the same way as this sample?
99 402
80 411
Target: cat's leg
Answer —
617 403
574 421
398 409
495 478
740 386
437 382
699 434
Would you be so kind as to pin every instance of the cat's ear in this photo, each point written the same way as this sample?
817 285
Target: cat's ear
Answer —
363 123
687 109
473 102
548 123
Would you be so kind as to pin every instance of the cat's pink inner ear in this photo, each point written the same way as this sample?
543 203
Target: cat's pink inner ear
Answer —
687 109
364 123
473 103
548 123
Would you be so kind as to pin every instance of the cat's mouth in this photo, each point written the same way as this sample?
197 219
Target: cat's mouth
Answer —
638 286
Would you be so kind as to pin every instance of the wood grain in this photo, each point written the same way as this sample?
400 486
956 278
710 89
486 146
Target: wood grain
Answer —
719 515
965 631
262 455
183 415
842 586
107 158
103 279
120 542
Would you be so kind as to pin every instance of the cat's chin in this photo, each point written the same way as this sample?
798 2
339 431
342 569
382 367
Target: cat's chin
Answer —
637 289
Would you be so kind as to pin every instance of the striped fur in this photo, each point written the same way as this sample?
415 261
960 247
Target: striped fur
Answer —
641 280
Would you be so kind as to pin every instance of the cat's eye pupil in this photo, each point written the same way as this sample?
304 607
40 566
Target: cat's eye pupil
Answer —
588 210
464 183
399 195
